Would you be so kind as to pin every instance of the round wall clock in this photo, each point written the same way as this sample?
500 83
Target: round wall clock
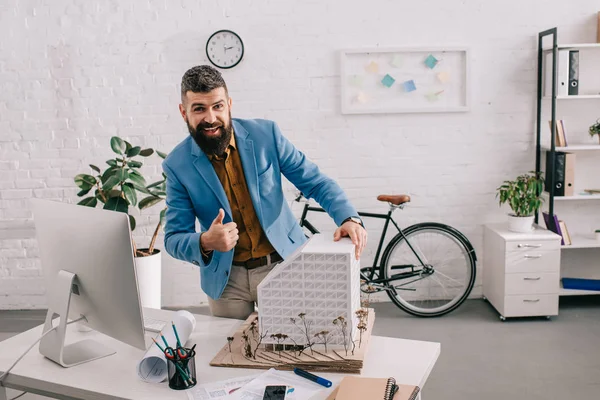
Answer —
224 49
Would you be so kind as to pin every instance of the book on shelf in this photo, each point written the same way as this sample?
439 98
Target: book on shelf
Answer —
592 191
553 224
561 136
565 232
598 28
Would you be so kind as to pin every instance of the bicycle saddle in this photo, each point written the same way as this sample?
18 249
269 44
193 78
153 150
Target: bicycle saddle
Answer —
395 199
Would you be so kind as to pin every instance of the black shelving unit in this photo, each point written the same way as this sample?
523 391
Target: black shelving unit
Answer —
540 82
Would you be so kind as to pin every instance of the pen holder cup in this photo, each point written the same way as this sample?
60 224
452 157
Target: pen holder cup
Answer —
182 371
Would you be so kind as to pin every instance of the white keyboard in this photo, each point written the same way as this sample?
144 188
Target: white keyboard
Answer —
154 325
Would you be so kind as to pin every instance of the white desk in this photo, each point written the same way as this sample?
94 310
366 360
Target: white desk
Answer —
115 377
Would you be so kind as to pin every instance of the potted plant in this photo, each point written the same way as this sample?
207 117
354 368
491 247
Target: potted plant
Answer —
595 129
523 195
116 189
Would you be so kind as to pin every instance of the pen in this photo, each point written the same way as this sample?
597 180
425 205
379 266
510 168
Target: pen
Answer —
314 378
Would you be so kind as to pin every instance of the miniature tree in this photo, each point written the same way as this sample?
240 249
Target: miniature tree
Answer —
342 325
279 337
361 328
362 315
247 346
229 340
305 329
258 338
325 337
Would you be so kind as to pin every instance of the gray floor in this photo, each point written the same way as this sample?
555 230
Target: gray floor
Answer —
482 357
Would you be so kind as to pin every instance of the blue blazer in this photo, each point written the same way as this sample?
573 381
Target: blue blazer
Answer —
195 192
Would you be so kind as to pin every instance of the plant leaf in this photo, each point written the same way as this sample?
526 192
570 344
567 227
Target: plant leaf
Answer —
134 164
136 177
127 146
134 151
149 202
108 173
146 152
117 204
130 195
132 222
161 154
118 145
122 174
92 166
112 163
162 217
85 181
111 182
83 192
150 186
88 202
140 188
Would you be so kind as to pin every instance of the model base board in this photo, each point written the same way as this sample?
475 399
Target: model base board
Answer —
249 352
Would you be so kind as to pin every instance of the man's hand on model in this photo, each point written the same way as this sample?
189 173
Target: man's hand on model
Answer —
220 237
357 234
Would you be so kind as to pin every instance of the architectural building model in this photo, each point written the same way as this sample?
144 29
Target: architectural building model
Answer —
314 286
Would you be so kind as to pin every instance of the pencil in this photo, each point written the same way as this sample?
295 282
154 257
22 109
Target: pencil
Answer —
176 335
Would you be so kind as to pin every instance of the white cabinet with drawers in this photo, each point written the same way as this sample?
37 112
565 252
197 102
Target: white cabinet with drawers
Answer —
521 271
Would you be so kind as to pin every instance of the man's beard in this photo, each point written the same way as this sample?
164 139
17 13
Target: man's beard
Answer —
215 145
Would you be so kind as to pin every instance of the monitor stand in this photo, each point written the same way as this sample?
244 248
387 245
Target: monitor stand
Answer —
52 345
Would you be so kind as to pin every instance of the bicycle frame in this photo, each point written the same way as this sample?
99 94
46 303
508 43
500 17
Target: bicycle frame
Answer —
372 270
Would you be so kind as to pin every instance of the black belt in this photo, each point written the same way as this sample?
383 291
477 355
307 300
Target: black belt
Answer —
259 261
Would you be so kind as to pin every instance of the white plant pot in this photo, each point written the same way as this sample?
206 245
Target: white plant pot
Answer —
520 224
149 274
597 234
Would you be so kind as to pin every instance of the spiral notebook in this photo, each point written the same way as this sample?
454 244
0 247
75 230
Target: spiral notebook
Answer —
357 388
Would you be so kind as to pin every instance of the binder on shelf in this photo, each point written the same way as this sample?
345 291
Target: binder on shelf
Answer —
562 73
573 72
564 174
360 388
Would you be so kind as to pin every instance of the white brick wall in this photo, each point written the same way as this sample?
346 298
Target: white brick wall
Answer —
72 74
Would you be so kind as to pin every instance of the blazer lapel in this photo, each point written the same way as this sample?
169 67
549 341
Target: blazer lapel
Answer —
206 170
246 149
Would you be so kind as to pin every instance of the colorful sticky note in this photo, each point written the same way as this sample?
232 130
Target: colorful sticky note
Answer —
355 80
443 77
409 86
388 81
361 97
373 67
396 61
431 61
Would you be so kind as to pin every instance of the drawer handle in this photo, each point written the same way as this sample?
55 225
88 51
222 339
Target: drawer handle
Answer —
529 245
532 279
531 301
536 256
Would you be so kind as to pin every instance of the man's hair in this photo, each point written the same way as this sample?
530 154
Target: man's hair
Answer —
201 79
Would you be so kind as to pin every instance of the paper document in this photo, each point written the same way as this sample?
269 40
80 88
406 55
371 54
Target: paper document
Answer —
218 390
153 366
255 389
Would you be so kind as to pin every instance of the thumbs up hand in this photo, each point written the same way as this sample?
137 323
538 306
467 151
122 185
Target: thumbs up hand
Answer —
220 237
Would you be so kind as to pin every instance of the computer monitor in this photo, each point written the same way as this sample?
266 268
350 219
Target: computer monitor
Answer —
89 269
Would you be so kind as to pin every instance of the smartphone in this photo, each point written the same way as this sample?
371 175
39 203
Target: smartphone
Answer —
275 392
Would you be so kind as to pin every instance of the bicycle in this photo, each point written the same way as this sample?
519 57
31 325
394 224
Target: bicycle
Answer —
431 253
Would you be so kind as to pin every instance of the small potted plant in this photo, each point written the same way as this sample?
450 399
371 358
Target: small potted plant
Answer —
116 189
597 234
523 195
595 129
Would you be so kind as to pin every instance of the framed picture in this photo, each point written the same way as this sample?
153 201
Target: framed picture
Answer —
404 80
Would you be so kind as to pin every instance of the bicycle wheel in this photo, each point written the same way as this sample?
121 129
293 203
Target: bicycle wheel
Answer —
443 274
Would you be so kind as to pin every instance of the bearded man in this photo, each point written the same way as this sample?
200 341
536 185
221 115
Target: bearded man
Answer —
227 175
